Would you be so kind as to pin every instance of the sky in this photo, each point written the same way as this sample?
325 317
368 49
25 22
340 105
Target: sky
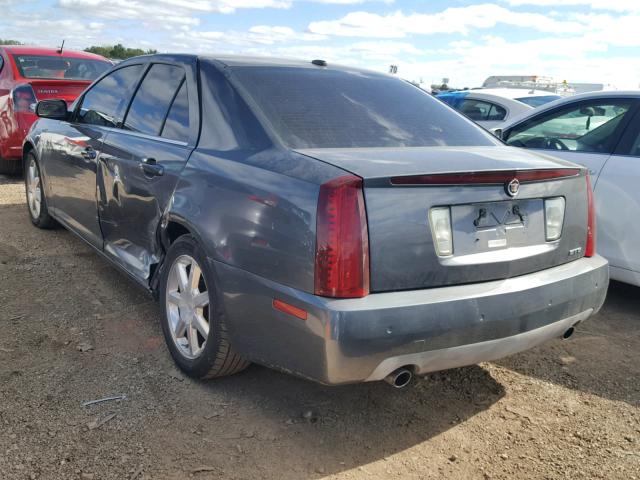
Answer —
575 40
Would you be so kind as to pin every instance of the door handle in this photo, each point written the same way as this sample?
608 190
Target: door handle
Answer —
151 168
89 153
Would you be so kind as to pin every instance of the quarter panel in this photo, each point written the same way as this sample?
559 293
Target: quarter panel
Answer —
251 217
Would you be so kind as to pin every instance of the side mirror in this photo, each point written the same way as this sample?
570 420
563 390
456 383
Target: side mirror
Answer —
54 109
497 132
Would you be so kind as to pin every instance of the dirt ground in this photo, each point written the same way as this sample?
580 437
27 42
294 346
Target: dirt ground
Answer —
74 329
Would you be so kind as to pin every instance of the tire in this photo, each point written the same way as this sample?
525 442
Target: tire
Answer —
202 358
39 215
10 167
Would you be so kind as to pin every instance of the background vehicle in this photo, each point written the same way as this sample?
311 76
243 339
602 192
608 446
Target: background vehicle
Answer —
29 74
491 107
600 130
304 234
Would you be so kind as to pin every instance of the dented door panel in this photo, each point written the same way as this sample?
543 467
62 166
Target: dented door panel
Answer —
132 200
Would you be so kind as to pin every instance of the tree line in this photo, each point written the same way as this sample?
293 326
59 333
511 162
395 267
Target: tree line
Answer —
118 51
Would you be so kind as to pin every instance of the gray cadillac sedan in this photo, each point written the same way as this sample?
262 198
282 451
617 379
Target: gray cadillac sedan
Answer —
335 223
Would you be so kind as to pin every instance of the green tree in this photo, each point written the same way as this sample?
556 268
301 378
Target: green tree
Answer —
9 42
118 51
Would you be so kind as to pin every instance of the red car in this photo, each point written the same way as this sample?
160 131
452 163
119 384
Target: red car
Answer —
30 74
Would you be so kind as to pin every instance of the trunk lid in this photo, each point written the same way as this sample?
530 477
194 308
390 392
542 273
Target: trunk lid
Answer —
495 235
67 90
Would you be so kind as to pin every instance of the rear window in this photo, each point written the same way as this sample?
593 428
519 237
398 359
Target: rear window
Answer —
58 67
537 101
314 108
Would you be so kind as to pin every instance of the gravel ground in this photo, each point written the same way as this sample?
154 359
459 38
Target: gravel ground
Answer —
75 329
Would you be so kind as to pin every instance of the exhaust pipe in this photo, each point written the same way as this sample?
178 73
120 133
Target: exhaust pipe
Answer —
568 333
399 378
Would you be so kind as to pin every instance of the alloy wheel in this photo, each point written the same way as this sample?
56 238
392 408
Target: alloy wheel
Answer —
187 306
34 191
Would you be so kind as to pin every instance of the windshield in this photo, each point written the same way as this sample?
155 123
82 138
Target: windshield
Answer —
324 108
539 100
42 66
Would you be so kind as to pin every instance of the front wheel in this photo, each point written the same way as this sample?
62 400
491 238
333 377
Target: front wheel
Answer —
193 320
36 201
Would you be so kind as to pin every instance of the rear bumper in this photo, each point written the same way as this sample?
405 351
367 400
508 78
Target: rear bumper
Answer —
354 340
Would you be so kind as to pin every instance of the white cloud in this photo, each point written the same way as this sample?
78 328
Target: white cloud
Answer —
452 20
613 5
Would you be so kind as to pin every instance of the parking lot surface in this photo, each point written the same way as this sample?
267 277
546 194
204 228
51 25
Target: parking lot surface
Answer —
74 330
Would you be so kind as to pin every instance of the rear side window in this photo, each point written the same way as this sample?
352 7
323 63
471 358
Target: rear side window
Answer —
153 99
105 103
177 125
478 110
324 108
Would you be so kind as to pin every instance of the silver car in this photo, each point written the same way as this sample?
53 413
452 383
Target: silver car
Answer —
335 223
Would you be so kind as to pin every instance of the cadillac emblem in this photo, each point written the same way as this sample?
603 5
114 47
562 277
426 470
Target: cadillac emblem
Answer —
512 188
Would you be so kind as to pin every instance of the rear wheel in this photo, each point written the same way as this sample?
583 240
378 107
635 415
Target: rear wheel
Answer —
10 167
193 320
36 201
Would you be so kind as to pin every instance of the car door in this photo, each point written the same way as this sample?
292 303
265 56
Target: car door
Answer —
618 206
141 164
75 147
584 132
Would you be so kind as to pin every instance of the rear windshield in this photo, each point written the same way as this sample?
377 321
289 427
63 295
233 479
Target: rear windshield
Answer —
324 108
537 101
42 66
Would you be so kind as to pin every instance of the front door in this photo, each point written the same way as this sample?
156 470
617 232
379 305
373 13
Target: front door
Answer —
584 132
76 151
71 171
617 197
140 166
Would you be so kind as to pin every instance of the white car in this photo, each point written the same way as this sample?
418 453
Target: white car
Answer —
600 130
491 107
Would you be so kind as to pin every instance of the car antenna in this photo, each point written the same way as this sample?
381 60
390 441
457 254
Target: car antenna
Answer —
61 47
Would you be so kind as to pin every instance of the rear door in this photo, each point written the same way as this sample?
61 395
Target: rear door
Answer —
584 132
142 161
75 147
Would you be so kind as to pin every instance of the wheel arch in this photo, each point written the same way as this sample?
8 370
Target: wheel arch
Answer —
171 228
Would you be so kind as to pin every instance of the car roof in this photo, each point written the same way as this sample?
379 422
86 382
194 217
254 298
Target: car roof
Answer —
514 93
54 52
573 99
249 61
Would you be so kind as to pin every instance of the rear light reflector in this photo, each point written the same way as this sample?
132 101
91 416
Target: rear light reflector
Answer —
342 240
289 309
553 217
590 249
24 99
486 178
440 221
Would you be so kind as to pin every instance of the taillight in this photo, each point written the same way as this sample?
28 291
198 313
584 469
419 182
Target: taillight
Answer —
342 240
590 249
24 98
